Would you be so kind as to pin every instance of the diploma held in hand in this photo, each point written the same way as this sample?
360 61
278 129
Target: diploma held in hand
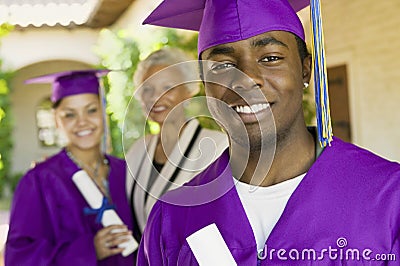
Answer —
94 198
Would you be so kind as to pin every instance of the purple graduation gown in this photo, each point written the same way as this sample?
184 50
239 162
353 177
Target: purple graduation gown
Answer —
47 222
349 194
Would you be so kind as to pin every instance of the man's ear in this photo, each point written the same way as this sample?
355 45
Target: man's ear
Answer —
307 69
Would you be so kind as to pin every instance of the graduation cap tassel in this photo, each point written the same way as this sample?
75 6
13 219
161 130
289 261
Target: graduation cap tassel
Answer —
324 125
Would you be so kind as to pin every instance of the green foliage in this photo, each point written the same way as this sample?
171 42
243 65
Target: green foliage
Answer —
5 29
172 38
121 54
5 132
6 179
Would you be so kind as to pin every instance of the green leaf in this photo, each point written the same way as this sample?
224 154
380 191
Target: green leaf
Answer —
3 87
2 115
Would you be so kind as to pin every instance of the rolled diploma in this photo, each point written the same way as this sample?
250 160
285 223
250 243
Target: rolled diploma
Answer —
209 247
94 198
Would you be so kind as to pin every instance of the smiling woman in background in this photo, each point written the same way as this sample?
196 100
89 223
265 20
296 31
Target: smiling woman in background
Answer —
165 81
50 222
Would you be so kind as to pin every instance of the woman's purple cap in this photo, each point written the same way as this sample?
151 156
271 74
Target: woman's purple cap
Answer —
225 21
71 82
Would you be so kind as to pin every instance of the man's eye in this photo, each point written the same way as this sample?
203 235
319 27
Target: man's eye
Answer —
218 67
270 58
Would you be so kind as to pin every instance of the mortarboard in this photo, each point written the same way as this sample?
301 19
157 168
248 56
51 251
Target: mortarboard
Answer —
225 21
71 82
236 20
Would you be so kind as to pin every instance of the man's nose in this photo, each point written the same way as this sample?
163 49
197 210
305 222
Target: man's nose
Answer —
249 77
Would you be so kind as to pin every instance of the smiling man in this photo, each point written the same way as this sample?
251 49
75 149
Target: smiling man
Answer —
267 96
273 198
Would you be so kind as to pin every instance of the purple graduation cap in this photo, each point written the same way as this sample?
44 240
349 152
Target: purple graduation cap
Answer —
71 82
225 21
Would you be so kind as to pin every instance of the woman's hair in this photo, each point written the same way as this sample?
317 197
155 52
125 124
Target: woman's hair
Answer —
169 56
56 104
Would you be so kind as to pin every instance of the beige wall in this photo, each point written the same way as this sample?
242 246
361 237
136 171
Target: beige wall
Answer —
132 18
364 34
131 22
29 46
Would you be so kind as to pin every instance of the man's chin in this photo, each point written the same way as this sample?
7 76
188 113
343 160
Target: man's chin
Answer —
255 141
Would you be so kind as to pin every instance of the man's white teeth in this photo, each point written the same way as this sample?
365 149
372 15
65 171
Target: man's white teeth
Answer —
255 108
84 132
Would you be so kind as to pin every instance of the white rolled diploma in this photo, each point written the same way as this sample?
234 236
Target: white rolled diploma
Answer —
209 247
94 198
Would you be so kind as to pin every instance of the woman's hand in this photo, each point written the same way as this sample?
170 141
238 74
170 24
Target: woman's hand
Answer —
106 240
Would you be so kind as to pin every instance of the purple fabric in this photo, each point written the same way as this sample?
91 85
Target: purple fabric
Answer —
348 193
70 83
225 21
47 222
